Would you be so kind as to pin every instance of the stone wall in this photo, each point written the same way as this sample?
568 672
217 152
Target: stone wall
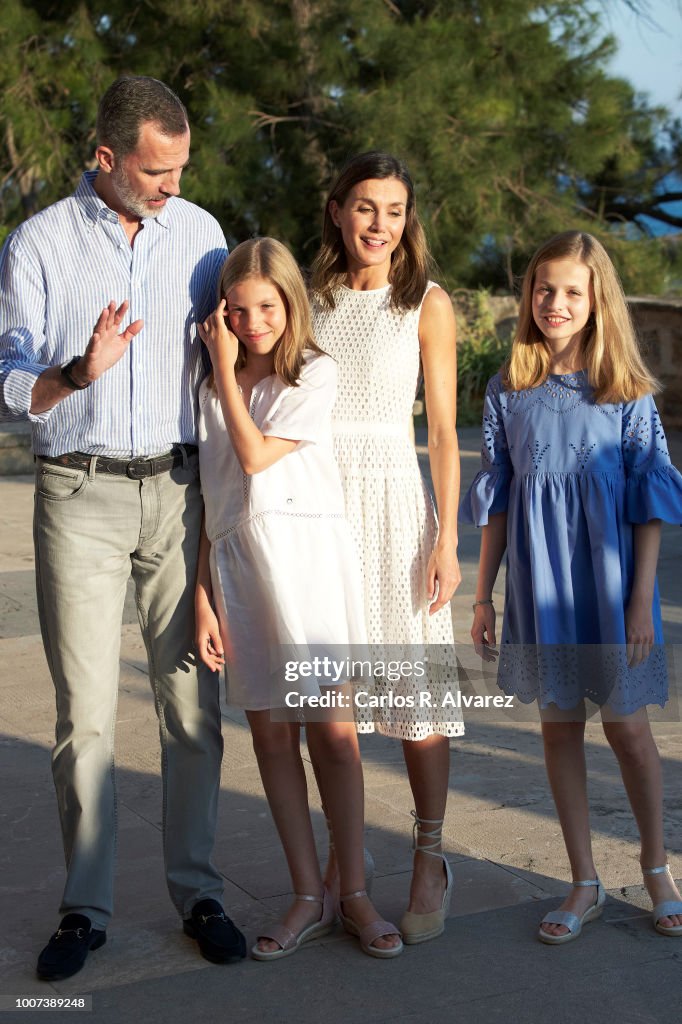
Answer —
659 327
15 449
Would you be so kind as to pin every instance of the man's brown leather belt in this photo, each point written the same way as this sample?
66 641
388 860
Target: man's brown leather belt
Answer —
136 469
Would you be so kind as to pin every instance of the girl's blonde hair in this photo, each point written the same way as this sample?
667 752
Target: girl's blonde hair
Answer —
614 365
268 258
411 261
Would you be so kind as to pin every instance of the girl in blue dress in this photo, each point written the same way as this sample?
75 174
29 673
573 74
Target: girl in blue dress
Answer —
575 481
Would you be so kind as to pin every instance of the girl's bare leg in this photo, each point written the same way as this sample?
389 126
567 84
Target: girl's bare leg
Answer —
331 871
428 766
564 743
631 740
277 749
335 754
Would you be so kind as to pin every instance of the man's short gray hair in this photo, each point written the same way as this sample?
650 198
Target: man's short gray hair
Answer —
129 103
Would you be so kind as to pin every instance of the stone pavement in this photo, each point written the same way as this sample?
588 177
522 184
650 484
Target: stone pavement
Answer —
501 835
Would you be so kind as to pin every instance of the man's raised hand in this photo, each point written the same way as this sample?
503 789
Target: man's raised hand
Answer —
106 346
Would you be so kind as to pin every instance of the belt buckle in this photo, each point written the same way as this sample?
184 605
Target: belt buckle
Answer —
140 468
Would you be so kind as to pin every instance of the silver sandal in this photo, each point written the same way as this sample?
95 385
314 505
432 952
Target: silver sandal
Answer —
570 920
666 908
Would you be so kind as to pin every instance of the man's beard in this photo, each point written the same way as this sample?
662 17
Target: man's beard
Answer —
129 199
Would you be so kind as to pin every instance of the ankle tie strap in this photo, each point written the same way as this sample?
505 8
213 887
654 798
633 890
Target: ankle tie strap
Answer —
436 835
657 871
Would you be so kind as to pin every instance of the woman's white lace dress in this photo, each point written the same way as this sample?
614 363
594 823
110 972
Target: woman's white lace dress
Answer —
389 510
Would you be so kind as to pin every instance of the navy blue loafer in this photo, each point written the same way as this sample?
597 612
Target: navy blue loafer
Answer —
220 941
68 948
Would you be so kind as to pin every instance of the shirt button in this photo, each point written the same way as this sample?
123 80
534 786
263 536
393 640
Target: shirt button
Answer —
290 501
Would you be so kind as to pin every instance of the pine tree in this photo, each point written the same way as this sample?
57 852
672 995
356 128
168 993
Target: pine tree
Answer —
503 110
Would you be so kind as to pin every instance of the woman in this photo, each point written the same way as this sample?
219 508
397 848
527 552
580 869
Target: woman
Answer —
378 315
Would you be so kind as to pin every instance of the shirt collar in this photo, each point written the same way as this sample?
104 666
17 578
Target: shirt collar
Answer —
94 209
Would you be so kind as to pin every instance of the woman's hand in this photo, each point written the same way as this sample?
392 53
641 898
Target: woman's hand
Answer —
443 576
639 631
207 636
221 343
483 631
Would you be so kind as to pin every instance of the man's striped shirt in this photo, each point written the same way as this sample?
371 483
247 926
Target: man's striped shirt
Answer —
58 270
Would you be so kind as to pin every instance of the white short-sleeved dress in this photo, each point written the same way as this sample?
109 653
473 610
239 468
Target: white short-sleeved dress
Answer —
284 567
388 506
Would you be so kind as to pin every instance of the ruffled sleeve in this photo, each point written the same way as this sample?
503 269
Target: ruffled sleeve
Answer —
653 485
489 492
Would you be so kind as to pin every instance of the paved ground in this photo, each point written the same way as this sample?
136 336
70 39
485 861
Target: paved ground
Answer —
501 834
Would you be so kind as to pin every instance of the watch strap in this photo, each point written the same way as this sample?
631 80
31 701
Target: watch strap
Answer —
69 379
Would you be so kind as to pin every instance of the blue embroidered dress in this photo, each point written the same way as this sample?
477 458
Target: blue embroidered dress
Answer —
574 476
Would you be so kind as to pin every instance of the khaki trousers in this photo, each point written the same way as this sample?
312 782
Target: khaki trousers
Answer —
92 530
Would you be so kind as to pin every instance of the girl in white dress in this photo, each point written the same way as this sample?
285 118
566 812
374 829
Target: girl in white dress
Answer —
376 312
278 573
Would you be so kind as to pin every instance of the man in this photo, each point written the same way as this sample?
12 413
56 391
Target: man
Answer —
113 421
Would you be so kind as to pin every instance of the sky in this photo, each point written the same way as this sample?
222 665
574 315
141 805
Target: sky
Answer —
650 56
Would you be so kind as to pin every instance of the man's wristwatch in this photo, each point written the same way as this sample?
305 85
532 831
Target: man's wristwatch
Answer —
69 380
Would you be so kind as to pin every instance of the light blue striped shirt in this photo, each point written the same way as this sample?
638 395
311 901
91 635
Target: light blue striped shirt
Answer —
57 272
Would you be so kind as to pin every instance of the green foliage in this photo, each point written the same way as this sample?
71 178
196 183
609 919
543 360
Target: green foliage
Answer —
482 347
50 77
503 109
645 266
480 352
